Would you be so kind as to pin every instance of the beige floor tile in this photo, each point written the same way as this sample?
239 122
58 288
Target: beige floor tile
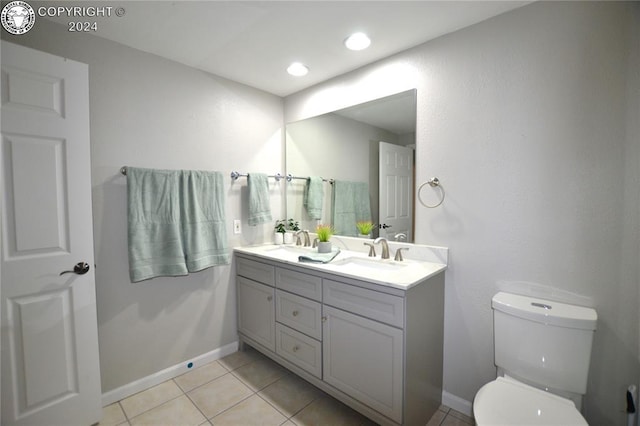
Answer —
453 421
259 374
219 395
444 408
150 398
328 411
437 418
290 394
179 411
461 416
200 376
112 415
240 358
251 411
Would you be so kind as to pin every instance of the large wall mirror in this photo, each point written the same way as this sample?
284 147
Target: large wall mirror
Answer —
370 145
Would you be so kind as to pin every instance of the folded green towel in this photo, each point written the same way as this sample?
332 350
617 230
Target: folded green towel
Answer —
320 257
313 197
350 205
259 205
176 222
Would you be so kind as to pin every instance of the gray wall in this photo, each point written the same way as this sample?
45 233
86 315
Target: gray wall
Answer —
530 120
150 112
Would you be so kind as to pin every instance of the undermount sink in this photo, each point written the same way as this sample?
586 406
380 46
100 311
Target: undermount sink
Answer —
365 264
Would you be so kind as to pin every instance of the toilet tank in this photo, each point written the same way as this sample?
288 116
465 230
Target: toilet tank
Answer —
543 342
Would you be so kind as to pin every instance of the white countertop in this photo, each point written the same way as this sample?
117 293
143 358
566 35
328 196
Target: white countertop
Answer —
352 264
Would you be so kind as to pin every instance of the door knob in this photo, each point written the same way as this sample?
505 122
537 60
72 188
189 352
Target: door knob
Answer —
81 268
384 226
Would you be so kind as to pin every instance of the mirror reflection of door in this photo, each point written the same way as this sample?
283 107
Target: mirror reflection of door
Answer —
396 191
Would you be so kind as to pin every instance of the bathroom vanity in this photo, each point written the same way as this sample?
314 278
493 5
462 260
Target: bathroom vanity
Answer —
366 331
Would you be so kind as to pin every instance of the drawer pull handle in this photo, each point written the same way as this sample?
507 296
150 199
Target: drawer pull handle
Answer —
295 348
269 298
295 313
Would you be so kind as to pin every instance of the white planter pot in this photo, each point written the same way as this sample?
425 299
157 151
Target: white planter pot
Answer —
278 238
324 247
288 238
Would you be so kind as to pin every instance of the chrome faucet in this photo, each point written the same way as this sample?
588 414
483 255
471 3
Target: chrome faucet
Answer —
372 249
307 241
399 254
385 247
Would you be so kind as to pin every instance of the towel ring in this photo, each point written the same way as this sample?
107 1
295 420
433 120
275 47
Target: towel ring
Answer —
433 182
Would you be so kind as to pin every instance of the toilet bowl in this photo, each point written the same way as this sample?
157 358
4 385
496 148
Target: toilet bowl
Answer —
542 351
505 401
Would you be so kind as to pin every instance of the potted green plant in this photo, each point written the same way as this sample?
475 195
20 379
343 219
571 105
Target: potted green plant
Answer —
364 228
281 229
324 233
292 227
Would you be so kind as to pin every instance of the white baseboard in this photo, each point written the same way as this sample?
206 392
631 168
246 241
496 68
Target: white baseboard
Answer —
457 403
166 374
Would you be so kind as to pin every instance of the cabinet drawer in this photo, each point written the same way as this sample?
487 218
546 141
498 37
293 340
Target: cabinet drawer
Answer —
256 271
299 313
368 303
299 283
299 349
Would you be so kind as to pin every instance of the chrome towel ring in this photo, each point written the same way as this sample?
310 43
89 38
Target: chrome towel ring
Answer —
433 182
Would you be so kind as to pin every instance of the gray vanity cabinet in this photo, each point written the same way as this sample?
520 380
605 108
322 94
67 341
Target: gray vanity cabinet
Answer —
376 348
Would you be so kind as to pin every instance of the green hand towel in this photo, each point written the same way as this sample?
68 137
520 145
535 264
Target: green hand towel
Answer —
313 196
155 235
203 219
350 205
320 257
259 206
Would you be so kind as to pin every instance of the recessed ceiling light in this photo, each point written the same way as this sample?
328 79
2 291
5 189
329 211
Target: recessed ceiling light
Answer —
357 41
297 69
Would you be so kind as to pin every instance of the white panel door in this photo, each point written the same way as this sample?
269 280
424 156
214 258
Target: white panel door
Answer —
49 340
396 190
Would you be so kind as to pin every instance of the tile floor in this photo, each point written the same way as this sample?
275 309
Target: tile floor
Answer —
244 389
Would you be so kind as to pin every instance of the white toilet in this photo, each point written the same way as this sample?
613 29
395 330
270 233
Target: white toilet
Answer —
542 351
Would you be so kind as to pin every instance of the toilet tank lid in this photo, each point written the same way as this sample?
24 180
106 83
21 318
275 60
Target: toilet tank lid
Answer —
546 311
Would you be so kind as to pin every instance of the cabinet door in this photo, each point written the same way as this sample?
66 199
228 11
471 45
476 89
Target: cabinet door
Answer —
256 312
363 358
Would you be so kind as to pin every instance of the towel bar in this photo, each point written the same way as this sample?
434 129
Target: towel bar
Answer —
236 175
290 177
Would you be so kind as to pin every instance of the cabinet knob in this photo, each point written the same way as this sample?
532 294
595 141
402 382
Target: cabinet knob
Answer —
295 313
269 298
324 319
295 348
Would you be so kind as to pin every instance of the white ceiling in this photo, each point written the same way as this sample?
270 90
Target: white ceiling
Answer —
253 42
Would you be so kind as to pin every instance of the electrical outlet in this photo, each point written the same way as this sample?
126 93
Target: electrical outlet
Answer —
237 226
